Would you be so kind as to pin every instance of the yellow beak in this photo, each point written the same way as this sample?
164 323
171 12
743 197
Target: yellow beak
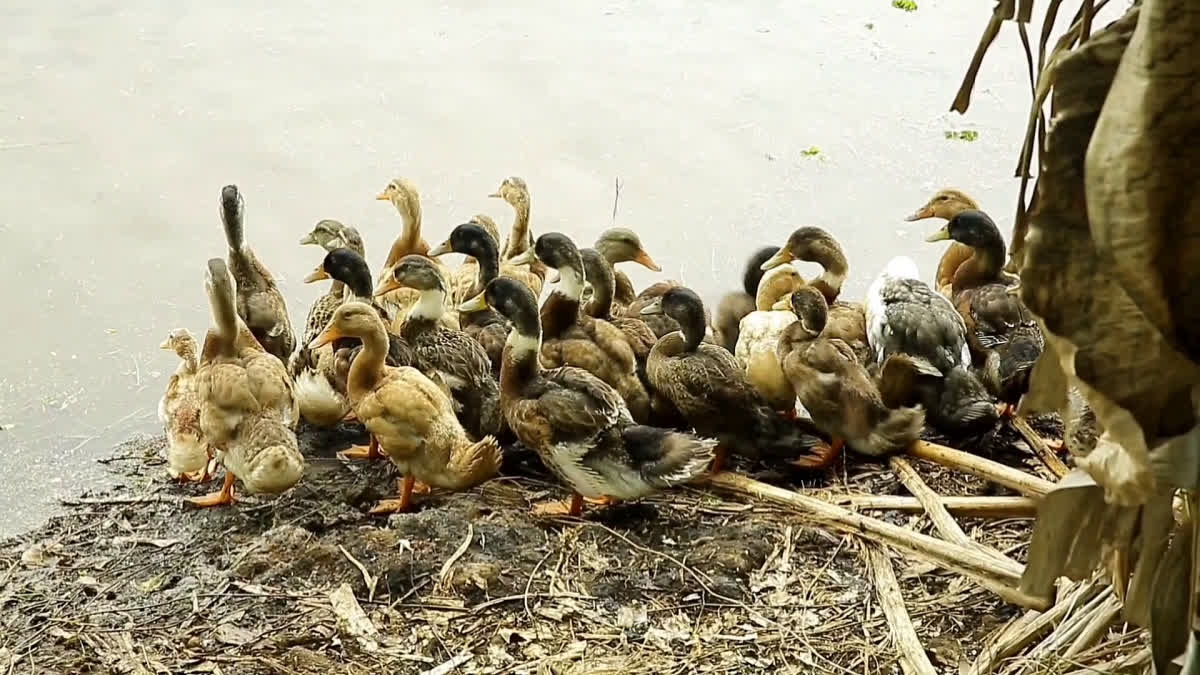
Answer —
308 239
475 304
495 195
941 235
383 196
525 257
783 257
655 307
387 286
316 275
328 335
441 249
644 259
783 303
921 213
166 344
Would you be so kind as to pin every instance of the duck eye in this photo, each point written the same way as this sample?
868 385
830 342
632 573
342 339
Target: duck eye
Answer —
943 198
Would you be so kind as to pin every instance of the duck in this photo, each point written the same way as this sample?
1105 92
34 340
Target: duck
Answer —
572 338
945 204
460 361
836 390
320 389
328 234
179 412
248 412
708 386
409 417
1001 331
846 321
619 245
758 334
735 305
485 326
918 343
515 193
402 193
260 304
579 425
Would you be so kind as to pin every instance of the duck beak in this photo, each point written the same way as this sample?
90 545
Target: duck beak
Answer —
783 303
920 214
308 239
389 284
441 249
383 197
782 257
655 307
328 335
495 195
525 257
475 304
316 275
941 235
166 344
644 259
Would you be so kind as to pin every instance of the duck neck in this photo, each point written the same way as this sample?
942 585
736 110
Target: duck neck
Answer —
429 307
600 274
692 325
520 362
337 289
834 275
771 289
358 282
409 240
187 353
367 368
489 264
561 310
518 236
984 265
225 321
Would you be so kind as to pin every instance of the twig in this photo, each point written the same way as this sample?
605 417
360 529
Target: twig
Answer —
1095 628
149 499
1038 444
458 553
1015 640
450 665
1026 484
616 198
965 507
967 561
947 526
913 659
368 579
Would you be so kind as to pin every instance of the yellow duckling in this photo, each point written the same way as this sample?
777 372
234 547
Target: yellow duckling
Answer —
410 418
573 338
179 412
577 424
247 408
842 399
759 333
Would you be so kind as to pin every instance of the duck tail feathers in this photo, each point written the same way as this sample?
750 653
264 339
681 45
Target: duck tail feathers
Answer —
895 432
666 458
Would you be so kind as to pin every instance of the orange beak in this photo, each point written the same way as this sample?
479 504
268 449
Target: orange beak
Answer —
644 259
921 213
389 284
327 336
383 196
316 275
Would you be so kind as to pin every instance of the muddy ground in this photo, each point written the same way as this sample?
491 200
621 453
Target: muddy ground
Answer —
132 581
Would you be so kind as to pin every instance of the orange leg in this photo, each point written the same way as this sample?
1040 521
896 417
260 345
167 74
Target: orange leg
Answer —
823 455
221 497
1007 411
573 508
408 485
720 458
602 501
371 451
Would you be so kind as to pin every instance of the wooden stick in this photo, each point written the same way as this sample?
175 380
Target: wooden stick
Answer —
1039 447
1015 640
913 659
963 507
1026 484
1072 626
966 561
948 527
1095 628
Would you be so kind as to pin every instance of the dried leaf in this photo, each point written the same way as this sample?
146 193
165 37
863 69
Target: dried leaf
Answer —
230 634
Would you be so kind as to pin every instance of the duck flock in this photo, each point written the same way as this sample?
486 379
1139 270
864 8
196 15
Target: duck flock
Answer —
620 393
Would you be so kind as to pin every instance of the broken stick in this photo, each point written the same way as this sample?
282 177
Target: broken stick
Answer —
1036 443
1027 484
963 507
913 659
967 561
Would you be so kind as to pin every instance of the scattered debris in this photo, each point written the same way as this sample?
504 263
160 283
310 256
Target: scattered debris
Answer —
968 135
906 5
